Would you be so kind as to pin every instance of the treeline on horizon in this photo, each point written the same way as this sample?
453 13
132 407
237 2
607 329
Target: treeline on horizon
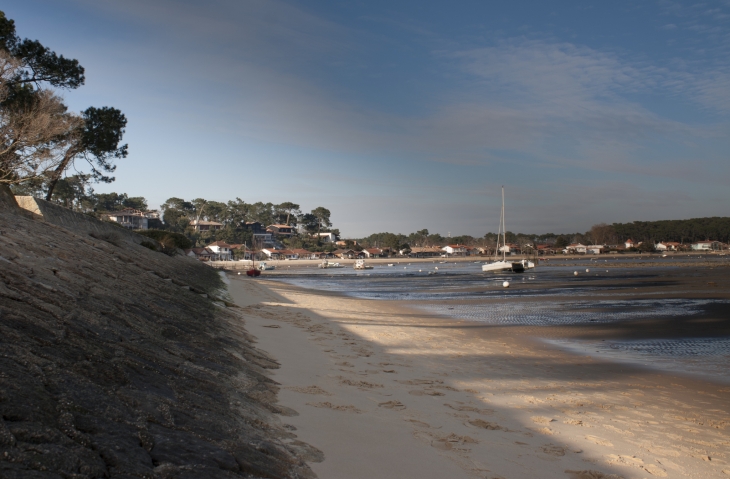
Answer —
75 192
652 232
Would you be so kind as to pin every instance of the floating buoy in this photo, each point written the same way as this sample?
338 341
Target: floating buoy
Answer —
505 284
420 270
239 273
575 273
588 270
436 267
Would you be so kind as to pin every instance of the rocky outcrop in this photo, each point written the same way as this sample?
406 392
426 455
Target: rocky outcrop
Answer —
117 361
79 223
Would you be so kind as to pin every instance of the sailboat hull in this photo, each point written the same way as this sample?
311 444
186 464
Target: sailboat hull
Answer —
497 266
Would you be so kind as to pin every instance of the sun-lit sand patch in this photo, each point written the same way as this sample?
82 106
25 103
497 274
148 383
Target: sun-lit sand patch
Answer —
481 397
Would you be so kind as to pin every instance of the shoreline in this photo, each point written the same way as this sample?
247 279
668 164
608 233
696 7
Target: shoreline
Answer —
608 261
490 401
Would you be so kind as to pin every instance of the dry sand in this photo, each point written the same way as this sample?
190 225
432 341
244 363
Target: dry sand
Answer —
386 392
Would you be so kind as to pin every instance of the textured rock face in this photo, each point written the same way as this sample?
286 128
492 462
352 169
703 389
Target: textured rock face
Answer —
115 363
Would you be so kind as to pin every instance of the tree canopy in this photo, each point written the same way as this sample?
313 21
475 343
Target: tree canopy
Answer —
40 139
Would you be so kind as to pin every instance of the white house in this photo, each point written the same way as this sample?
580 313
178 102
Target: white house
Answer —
274 253
327 237
667 246
129 218
455 249
281 230
373 252
706 245
594 249
576 248
222 249
510 248
200 225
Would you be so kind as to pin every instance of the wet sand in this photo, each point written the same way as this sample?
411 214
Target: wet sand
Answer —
387 391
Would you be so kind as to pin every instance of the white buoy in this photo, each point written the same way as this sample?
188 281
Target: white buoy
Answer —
575 273
239 273
436 267
588 270
505 284
420 270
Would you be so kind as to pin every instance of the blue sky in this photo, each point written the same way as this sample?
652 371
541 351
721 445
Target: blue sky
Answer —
399 116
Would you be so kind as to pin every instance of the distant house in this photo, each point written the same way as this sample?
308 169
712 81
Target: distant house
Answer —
344 253
706 246
129 218
575 248
373 252
425 252
284 231
455 249
304 254
202 254
327 237
631 244
510 248
260 234
274 253
200 225
545 249
222 249
668 246
594 249
344 242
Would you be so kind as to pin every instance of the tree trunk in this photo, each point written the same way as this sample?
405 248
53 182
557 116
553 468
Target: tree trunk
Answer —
59 171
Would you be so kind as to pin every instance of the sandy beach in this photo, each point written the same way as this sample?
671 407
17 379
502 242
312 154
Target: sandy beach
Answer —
387 391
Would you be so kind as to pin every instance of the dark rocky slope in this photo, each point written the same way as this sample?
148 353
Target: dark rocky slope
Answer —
115 363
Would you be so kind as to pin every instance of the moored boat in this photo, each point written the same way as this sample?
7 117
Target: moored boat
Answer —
360 264
498 265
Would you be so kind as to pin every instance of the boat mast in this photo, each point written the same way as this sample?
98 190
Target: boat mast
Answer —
499 233
504 230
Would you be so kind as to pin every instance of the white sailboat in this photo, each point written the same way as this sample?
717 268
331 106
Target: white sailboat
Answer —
504 265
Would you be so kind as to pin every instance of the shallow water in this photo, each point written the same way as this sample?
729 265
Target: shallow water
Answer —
565 313
695 357
462 291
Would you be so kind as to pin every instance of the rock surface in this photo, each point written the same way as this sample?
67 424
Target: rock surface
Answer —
115 361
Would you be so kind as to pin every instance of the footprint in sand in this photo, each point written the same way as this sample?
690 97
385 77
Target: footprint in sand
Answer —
427 392
462 407
397 405
553 450
418 423
420 382
491 426
360 384
542 419
590 474
599 441
329 405
452 441
309 390
273 326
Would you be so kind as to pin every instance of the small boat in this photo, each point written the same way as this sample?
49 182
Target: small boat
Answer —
503 265
326 264
360 264
265 267
252 272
